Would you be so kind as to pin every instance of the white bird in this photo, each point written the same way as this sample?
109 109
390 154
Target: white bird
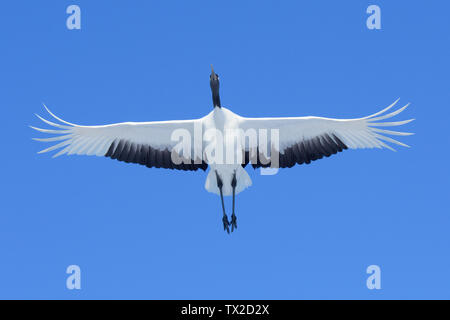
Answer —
263 142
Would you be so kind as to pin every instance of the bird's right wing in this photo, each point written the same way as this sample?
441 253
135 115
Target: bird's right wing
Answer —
305 139
145 143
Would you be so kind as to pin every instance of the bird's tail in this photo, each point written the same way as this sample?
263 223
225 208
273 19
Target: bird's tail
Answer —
243 181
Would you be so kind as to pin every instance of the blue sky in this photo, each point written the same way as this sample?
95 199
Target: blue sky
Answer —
308 232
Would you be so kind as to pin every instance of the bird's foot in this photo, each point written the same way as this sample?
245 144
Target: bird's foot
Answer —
233 222
226 224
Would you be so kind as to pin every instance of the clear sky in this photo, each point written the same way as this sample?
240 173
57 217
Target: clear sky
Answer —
308 232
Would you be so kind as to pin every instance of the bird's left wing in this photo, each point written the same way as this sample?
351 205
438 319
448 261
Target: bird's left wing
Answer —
145 143
305 139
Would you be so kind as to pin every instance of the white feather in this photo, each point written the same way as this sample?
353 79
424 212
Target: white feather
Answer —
97 140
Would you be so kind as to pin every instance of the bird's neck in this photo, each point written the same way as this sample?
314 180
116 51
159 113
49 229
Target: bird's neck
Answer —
216 99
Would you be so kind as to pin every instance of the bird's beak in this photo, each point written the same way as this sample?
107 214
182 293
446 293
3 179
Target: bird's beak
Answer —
212 70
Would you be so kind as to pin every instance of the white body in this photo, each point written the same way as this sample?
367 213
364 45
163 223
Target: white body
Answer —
225 121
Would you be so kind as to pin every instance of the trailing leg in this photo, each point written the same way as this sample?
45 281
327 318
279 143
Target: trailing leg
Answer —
226 224
233 216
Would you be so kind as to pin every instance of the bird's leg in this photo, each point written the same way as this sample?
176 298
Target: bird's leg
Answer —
233 216
226 224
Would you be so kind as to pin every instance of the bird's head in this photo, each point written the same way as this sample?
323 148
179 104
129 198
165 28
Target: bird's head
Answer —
214 83
213 78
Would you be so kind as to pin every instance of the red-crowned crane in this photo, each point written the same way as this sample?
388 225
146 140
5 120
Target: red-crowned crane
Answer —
224 141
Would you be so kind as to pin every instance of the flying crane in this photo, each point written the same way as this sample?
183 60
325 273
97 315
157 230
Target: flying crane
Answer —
296 140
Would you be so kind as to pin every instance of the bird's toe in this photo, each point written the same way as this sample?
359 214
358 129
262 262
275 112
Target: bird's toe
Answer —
233 222
226 224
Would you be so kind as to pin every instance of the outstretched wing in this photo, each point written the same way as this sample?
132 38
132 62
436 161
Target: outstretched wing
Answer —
146 143
305 139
